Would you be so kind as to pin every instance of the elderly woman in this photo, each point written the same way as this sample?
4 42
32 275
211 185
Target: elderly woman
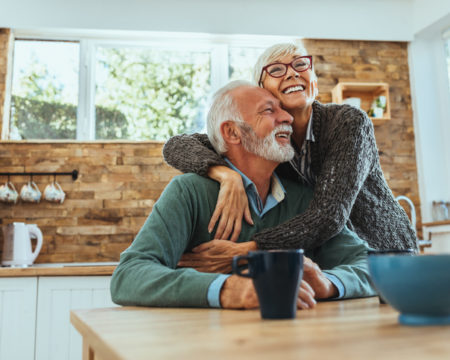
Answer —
336 154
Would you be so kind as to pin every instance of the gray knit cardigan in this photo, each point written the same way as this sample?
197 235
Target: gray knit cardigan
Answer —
350 187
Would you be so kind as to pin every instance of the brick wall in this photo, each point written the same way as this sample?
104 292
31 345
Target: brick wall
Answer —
104 208
376 61
4 45
119 182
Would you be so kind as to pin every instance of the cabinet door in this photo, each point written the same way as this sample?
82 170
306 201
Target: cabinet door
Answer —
56 338
17 318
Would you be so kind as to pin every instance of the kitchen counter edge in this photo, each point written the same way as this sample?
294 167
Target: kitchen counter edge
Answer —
102 270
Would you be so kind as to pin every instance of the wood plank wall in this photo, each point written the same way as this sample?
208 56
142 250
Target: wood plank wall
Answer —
120 182
104 209
4 44
377 61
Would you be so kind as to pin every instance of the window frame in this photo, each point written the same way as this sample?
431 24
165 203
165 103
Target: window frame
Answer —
217 45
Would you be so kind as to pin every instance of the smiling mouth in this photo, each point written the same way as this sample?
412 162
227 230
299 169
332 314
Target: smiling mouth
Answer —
292 89
283 135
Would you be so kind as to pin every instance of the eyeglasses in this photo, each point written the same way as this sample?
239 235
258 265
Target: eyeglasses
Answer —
278 70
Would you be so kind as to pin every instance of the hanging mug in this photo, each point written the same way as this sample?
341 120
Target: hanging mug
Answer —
54 193
8 193
30 192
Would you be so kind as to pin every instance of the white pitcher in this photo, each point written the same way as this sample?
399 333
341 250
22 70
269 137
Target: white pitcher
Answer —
17 244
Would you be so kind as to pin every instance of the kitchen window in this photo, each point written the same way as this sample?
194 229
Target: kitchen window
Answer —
44 95
158 93
88 88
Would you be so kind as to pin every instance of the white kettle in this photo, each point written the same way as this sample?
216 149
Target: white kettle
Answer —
17 244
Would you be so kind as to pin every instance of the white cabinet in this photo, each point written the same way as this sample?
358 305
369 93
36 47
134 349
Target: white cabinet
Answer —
55 336
35 314
17 318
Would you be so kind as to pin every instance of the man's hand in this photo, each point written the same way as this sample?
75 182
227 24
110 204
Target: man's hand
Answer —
215 256
238 293
323 288
306 295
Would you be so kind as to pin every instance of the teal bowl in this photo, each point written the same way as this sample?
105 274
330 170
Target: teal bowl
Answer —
418 286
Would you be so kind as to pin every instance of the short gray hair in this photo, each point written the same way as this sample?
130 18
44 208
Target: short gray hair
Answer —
273 54
223 108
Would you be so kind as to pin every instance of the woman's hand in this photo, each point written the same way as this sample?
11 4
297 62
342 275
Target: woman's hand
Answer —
232 204
215 256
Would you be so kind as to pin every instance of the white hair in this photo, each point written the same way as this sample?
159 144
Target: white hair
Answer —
273 54
223 108
267 147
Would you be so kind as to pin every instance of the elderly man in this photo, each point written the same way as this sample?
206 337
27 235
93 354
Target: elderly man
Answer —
247 125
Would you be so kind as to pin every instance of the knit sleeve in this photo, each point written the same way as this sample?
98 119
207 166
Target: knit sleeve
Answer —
349 156
191 153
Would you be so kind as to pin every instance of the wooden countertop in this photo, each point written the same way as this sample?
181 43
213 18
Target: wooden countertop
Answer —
58 270
435 223
346 329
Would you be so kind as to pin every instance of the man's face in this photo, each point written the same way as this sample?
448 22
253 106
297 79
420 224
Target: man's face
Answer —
267 130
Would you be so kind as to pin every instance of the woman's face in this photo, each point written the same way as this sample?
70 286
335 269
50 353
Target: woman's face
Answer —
294 89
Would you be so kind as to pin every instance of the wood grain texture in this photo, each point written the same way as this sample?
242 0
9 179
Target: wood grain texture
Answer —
385 62
57 271
120 181
4 47
351 329
104 208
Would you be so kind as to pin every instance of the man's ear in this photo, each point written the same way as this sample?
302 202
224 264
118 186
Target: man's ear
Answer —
231 132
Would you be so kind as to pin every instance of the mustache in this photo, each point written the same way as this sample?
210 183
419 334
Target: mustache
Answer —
248 130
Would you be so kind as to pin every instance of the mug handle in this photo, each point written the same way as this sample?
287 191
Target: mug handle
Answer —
63 194
11 186
34 186
34 231
235 266
57 185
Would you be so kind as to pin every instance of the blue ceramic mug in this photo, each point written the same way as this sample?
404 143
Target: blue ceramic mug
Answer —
276 275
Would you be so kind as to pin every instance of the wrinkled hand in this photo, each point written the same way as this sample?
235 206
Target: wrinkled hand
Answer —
306 295
215 256
232 204
323 288
238 293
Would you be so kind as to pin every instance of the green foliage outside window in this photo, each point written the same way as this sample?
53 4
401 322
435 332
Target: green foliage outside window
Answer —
161 93
140 94
36 119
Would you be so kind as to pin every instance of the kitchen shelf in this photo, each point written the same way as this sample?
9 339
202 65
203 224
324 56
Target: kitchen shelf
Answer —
367 92
73 173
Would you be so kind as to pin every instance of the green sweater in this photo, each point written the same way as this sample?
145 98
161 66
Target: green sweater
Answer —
147 273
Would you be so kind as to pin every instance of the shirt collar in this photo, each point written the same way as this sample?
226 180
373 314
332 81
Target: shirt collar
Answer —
277 189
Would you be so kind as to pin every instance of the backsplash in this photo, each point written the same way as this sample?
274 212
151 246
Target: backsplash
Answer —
120 181
4 42
117 185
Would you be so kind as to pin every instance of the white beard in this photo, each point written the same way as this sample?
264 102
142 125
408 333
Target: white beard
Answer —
267 147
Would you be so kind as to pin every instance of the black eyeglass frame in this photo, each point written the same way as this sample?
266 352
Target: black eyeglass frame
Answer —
287 67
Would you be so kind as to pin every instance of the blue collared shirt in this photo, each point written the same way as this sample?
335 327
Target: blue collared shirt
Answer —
275 196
